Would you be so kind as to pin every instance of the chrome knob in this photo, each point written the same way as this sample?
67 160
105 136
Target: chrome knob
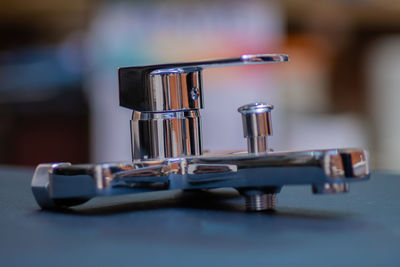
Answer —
257 126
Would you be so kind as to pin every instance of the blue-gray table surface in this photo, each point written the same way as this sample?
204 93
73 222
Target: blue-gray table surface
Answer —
360 228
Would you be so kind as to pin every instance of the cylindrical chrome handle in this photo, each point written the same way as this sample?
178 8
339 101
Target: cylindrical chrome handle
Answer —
159 135
257 126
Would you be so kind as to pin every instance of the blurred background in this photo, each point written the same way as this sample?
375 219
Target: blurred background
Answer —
59 60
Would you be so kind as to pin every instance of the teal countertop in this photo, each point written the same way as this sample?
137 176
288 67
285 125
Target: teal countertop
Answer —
359 228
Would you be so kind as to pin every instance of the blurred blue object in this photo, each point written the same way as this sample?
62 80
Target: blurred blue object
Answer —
40 70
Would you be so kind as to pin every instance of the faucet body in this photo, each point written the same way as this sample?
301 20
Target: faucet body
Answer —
167 147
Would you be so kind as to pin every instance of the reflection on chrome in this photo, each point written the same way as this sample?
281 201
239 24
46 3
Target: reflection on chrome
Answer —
166 141
272 169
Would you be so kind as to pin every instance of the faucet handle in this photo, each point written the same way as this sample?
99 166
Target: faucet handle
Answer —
175 86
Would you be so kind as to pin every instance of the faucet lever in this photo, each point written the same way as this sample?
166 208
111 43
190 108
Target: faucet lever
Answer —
175 86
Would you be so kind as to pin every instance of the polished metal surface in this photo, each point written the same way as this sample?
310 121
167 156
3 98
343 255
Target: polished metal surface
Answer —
175 86
174 90
257 126
166 135
260 202
167 148
62 185
260 199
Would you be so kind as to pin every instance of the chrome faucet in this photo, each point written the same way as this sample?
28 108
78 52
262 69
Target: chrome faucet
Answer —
167 147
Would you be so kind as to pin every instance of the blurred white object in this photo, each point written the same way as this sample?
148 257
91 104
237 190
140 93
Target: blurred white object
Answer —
325 131
383 69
